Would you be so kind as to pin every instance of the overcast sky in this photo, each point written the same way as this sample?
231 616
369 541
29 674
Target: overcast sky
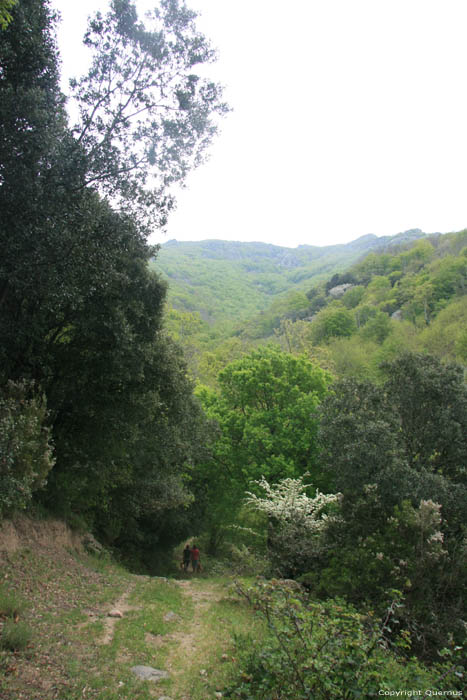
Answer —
349 118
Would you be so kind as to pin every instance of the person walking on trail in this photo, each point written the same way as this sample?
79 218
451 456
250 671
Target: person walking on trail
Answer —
186 557
195 559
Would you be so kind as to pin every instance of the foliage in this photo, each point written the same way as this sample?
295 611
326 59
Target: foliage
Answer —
213 361
409 297
286 501
266 407
25 445
146 112
154 436
251 291
431 400
397 453
353 356
445 336
334 321
296 337
5 16
359 432
266 410
296 522
235 286
407 437
326 650
81 312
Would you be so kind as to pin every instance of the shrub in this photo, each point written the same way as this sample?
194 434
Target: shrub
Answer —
25 445
296 522
397 554
328 650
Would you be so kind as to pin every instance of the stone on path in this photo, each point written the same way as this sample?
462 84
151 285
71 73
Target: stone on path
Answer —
147 673
170 616
115 613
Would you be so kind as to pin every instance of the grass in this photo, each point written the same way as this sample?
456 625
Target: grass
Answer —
15 636
11 605
208 661
64 597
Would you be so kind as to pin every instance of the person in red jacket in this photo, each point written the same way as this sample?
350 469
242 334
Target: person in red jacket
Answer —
195 559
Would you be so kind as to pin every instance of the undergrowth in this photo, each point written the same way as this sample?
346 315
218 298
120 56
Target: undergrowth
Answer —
321 650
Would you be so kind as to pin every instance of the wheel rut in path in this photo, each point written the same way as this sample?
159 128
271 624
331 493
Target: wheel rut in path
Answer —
186 657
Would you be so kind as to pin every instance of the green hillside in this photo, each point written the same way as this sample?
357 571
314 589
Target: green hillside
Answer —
230 282
411 298
348 307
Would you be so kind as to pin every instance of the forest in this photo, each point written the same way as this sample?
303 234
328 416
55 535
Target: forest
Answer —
310 430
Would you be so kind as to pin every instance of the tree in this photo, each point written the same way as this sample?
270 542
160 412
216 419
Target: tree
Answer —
431 400
353 296
266 409
296 522
55 243
146 114
335 321
377 328
397 453
359 434
127 429
43 234
407 435
81 312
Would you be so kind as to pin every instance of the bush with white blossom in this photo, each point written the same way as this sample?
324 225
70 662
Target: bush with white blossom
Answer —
296 521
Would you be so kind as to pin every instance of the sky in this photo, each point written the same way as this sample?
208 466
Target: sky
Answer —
348 118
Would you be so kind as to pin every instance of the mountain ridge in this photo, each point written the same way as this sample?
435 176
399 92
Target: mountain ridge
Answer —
230 281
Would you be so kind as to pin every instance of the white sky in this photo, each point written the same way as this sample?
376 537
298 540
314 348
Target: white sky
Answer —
349 118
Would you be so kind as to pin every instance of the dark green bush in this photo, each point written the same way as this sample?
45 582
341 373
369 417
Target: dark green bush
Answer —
25 445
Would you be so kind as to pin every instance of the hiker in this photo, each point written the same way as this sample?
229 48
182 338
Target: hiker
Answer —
195 558
186 557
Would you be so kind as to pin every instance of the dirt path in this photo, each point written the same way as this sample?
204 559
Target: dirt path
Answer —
192 645
120 606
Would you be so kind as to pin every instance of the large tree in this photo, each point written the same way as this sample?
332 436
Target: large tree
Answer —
397 453
80 311
146 118
266 410
407 437
32 122
146 111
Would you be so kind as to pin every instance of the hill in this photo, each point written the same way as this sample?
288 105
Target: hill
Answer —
229 282
405 292
405 298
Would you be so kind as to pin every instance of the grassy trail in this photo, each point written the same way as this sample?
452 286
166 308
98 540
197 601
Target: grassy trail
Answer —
200 646
78 652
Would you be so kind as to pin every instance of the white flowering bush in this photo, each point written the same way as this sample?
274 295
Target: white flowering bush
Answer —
296 521
286 501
